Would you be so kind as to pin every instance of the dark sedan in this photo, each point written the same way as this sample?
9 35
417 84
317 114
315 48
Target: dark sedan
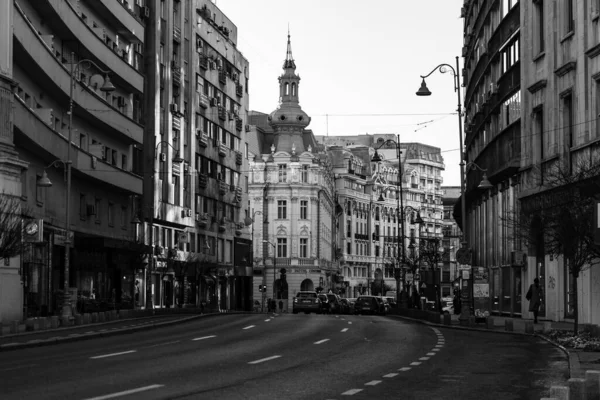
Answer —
369 305
307 302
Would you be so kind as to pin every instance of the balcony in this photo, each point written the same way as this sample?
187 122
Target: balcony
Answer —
222 77
238 124
222 113
222 149
238 194
203 62
203 101
177 34
202 138
239 90
55 78
238 158
223 187
119 16
77 30
176 73
202 180
35 134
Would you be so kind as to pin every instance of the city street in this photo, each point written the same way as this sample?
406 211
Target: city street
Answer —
259 356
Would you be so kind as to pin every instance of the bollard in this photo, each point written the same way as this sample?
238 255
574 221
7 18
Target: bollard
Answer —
43 323
54 321
592 384
559 392
547 326
576 389
14 326
64 321
86 318
94 317
508 325
490 322
78 319
29 324
472 320
447 319
529 327
101 317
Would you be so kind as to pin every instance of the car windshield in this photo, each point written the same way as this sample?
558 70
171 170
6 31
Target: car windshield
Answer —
365 300
306 295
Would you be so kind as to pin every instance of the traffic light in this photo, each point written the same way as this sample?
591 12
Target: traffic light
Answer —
260 288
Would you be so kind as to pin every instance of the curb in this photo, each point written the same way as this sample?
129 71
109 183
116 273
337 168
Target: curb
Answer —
57 340
464 328
572 357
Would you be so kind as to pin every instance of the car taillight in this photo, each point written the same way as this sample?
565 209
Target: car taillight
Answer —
295 300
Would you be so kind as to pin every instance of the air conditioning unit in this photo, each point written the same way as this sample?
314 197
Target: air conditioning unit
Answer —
186 168
220 63
188 212
174 64
174 108
90 209
163 157
213 101
234 76
211 64
247 128
199 132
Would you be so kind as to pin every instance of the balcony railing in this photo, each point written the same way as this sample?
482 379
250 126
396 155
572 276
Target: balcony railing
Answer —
239 90
177 34
222 113
222 77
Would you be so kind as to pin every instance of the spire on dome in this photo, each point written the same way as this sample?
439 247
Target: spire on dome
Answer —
289 60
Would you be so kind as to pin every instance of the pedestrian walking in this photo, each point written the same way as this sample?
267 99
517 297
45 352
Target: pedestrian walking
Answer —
535 296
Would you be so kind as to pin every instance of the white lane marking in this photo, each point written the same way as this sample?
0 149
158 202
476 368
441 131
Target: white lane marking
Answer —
372 383
125 393
344 330
391 375
321 341
435 349
249 327
343 319
164 344
404 369
113 354
205 337
430 354
439 345
263 360
19 367
415 363
266 320
423 358
350 322
351 392
90 331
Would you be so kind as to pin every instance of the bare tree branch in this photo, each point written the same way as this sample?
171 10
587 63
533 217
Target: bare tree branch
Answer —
11 226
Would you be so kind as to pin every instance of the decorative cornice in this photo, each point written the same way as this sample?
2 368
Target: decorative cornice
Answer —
565 68
537 86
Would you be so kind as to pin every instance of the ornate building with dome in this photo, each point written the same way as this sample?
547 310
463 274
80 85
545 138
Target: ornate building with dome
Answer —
292 203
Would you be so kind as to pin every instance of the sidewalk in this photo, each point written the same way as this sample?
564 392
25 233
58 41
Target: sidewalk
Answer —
128 324
579 360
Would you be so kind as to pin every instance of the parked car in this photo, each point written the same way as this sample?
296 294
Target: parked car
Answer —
324 303
448 309
369 305
306 301
334 303
346 307
391 301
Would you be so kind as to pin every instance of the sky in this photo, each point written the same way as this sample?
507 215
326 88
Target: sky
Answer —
360 65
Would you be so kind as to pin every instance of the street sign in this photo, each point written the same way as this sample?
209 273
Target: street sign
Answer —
423 285
463 267
463 255
466 274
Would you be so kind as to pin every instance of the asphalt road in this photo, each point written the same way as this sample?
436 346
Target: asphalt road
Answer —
288 357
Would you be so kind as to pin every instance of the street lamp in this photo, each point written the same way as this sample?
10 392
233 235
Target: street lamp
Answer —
274 267
248 221
485 183
399 204
465 311
107 86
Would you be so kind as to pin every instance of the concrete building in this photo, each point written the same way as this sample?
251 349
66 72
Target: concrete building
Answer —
291 188
370 225
89 52
560 70
451 240
492 107
195 201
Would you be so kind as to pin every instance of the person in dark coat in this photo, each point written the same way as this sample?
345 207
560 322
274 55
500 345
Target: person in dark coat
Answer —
535 296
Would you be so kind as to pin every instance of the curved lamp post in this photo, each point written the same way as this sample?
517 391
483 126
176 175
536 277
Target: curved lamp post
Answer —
107 86
424 91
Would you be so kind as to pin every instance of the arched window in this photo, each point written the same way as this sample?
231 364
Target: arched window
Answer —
287 89
293 89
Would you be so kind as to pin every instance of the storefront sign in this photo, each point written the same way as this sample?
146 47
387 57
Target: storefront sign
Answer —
481 292
61 236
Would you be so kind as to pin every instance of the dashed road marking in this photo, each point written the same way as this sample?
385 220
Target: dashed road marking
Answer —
113 354
266 320
249 327
164 344
415 363
372 383
344 330
430 354
263 360
391 375
424 358
439 345
351 392
125 393
321 341
350 322
435 349
404 369
205 337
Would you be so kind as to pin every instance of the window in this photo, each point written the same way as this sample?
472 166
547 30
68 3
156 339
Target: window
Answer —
305 174
123 216
569 16
303 247
111 214
539 130
82 206
281 209
349 228
281 247
510 111
303 209
282 176
539 43
97 209
567 115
